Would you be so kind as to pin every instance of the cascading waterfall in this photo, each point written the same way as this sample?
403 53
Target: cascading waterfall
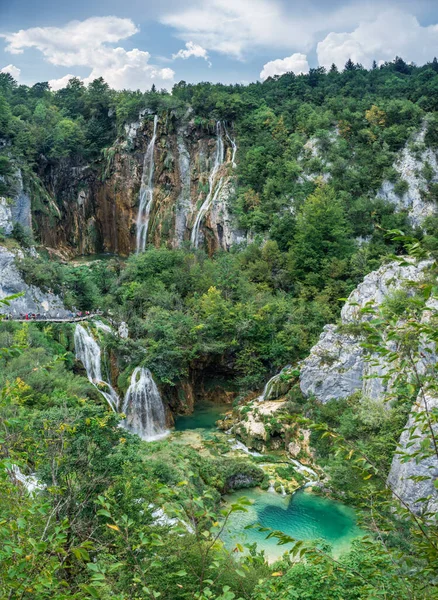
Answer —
273 385
237 445
183 204
146 192
233 147
143 407
89 353
213 191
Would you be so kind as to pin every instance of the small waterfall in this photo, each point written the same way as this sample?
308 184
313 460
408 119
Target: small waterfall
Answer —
30 482
283 491
273 387
212 192
271 488
305 471
143 407
89 353
183 204
103 326
146 192
236 445
233 146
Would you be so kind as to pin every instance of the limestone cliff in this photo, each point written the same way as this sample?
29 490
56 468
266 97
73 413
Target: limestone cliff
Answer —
403 471
336 366
33 300
417 167
98 210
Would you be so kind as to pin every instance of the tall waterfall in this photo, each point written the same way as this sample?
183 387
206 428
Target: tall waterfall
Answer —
146 192
143 407
89 353
233 147
213 191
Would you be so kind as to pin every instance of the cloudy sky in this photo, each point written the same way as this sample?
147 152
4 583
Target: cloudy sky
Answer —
134 43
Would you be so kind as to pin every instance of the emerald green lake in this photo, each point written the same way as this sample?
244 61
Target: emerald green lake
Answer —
204 416
303 516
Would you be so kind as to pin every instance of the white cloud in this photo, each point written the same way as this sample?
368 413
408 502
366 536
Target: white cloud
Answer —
192 49
58 84
391 33
297 63
85 43
234 28
12 70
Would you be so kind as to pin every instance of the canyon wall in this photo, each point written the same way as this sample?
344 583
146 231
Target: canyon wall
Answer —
92 210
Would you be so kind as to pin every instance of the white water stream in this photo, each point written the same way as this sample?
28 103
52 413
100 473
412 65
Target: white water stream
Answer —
89 353
143 407
214 190
146 192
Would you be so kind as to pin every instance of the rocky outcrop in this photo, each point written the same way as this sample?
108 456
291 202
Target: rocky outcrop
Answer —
411 168
33 299
17 207
255 423
336 366
400 479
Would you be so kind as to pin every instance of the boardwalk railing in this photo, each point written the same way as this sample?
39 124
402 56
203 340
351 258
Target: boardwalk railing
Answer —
44 319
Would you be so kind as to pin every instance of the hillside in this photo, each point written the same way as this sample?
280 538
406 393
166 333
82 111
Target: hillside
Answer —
207 241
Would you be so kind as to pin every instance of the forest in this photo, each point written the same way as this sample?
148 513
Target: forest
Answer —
90 530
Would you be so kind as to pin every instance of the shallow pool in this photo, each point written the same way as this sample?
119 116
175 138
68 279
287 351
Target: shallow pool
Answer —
303 516
204 416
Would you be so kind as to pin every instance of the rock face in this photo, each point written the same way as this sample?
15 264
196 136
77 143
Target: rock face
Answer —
336 366
410 166
401 472
33 300
97 212
16 208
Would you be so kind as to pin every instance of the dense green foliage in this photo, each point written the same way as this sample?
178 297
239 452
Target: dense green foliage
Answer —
313 151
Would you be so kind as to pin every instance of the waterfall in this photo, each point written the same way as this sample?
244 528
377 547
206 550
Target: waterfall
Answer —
233 146
283 491
183 204
273 387
103 326
89 353
146 192
241 446
271 488
30 482
143 407
302 469
212 192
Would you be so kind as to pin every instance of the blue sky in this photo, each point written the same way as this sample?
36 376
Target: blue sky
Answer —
134 43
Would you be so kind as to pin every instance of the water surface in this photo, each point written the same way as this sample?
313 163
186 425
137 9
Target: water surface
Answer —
303 516
204 416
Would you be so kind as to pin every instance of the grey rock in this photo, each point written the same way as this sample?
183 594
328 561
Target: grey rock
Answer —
409 167
21 204
34 300
334 367
337 366
399 478
6 224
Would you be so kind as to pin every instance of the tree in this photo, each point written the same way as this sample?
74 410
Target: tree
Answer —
322 235
349 65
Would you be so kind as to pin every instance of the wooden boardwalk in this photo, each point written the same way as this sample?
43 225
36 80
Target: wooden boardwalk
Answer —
50 320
